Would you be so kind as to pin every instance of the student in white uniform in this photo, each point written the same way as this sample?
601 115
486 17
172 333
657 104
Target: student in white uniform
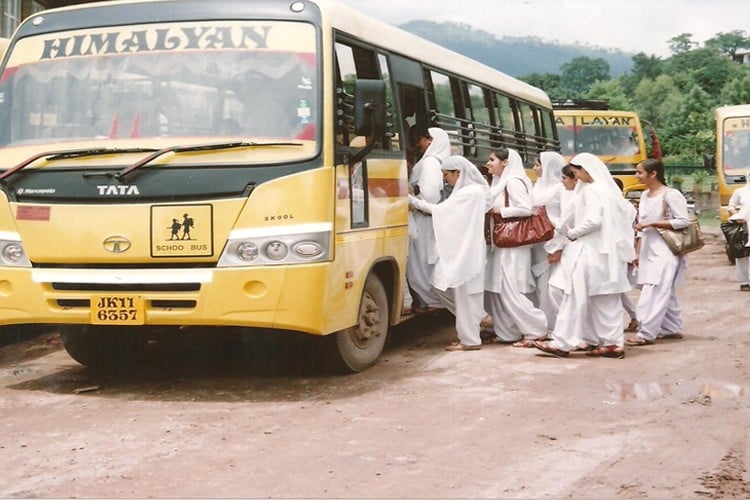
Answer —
599 248
547 192
659 270
426 184
559 268
515 319
459 240
739 210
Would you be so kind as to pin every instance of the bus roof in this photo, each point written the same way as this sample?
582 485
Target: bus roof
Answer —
402 42
398 41
723 112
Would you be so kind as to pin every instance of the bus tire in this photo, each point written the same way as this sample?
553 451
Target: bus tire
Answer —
101 347
358 347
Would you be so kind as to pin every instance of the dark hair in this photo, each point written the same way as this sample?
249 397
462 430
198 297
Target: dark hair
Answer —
568 172
653 165
501 153
618 181
422 132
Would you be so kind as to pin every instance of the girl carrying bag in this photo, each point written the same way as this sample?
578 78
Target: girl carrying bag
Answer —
518 231
682 241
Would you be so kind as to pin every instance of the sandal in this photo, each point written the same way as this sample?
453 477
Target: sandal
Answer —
524 343
457 346
636 341
545 347
632 326
585 348
608 351
669 336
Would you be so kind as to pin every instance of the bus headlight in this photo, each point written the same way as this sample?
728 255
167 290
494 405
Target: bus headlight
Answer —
300 244
276 250
12 254
247 252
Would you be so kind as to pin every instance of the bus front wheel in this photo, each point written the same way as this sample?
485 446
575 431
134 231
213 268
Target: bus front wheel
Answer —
359 346
101 347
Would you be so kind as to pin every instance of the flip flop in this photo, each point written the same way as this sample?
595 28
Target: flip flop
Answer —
636 341
455 346
525 343
608 351
545 347
669 336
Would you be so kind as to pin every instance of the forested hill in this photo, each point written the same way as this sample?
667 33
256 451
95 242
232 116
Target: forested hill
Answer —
514 56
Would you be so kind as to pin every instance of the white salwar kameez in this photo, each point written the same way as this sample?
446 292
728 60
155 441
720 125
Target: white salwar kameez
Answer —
659 270
459 240
739 202
426 180
508 276
597 256
547 192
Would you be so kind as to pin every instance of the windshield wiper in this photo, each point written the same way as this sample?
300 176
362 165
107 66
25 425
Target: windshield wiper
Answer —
73 153
200 147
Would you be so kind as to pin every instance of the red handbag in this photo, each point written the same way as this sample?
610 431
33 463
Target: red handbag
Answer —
519 231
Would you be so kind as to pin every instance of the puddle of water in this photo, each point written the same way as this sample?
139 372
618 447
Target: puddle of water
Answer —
622 392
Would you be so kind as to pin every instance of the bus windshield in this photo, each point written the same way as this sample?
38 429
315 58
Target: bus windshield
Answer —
177 80
736 147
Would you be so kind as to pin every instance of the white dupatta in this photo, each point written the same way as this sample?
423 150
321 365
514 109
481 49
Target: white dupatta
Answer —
459 227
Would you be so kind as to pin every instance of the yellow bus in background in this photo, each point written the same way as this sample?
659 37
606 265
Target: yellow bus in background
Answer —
3 46
732 157
241 166
616 137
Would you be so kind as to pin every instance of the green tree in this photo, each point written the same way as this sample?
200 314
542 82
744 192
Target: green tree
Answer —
706 67
655 100
644 66
736 91
581 73
688 131
549 82
613 91
682 43
729 43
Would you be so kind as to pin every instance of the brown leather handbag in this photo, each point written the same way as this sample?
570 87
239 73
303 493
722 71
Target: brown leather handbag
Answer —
519 231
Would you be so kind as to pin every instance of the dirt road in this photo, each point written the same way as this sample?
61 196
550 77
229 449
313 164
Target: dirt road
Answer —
216 420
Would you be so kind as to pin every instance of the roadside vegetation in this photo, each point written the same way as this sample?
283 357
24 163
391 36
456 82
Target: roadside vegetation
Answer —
677 94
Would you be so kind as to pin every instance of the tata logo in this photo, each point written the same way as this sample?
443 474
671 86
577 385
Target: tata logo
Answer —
118 190
116 244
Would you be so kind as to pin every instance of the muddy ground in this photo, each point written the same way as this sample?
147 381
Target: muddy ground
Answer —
241 418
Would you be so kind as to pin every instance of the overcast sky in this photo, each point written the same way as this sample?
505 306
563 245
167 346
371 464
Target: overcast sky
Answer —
630 25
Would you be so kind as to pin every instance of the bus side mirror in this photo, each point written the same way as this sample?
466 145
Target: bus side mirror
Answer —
369 107
709 162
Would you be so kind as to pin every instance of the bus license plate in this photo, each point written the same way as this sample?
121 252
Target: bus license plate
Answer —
117 310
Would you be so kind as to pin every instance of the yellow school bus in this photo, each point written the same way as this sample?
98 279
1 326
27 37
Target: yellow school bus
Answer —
732 158
170 164
616 137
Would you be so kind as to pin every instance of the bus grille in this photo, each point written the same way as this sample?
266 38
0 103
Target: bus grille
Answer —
134 287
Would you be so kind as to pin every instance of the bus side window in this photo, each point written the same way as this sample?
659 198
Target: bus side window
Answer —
506 124
441 102
355 62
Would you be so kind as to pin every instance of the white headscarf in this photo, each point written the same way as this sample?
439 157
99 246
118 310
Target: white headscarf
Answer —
440 147
549 183
459 227
744 212
513 170
617 213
